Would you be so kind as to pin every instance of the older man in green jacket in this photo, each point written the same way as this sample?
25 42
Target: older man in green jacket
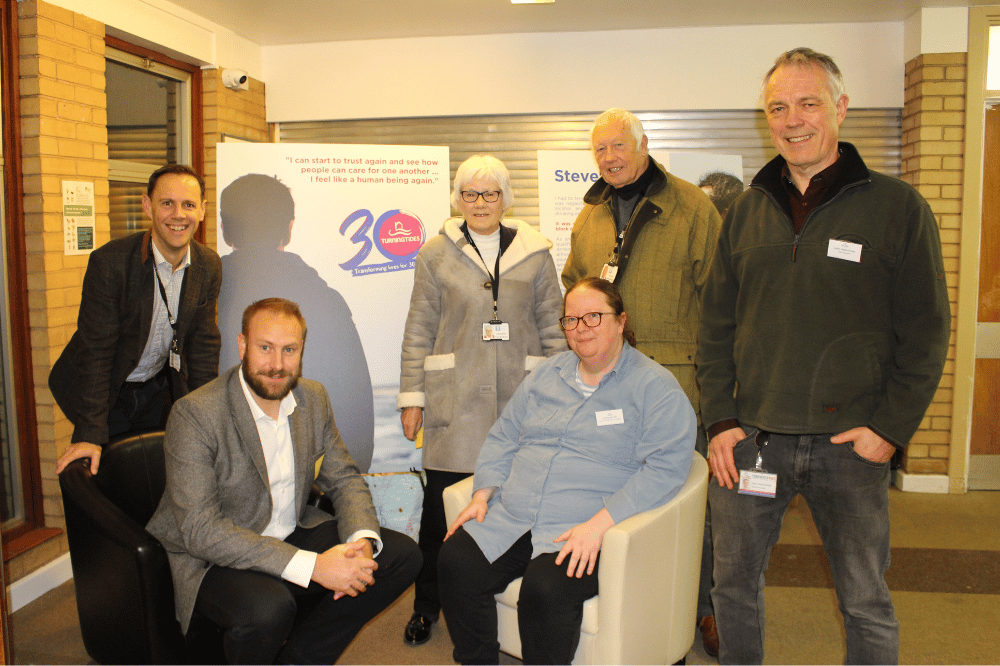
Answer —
654 236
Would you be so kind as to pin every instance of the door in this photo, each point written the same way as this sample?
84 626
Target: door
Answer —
984 447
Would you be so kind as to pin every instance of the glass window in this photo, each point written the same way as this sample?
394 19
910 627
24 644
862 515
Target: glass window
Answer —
993 62
149 125
11 497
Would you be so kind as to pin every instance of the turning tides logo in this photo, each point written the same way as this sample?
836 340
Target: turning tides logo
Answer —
397 234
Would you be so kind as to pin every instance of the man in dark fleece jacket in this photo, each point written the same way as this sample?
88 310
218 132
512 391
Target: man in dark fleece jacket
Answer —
824 330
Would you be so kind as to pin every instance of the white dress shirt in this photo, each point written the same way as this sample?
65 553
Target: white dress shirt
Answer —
276 441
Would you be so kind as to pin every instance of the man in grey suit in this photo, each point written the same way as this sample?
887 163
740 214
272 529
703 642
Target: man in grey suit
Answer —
284 580
146 333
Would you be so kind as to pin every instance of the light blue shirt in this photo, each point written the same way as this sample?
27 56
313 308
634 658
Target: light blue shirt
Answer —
161 333
555 467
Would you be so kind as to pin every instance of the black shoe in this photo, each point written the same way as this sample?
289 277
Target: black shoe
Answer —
418 630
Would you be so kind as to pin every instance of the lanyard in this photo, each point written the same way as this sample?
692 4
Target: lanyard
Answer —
618 246
494 277
621 234
170 316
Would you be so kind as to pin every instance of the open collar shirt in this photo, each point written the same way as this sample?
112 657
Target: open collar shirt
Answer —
279 456
161 333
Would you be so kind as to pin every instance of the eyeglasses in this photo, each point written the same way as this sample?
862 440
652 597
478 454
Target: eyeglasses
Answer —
470 196
591 319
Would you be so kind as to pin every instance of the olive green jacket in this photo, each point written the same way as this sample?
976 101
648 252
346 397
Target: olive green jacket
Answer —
665 258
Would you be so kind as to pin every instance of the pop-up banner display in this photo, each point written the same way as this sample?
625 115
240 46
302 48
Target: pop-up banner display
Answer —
335 228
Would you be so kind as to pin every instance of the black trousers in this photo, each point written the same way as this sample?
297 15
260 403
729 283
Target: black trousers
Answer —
141 406
266 619
549 610
433 527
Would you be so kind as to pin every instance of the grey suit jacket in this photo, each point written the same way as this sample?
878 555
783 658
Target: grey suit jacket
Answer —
116 311
217 498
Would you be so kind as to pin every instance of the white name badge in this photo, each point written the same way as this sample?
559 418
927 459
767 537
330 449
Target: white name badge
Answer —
610 417
175 361
496 331
844 250
757 482
609 272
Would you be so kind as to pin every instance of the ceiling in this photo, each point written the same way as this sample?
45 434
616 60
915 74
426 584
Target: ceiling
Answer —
274 22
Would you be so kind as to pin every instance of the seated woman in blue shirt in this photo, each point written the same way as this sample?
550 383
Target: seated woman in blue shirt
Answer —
591 437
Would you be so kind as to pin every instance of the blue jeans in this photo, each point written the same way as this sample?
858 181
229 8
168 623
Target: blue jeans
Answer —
849 500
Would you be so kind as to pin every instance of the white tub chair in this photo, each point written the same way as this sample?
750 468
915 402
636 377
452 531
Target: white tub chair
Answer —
648 578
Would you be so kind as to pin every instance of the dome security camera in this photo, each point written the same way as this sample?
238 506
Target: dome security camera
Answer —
236 79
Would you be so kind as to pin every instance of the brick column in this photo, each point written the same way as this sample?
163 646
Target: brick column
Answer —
236 113
933 148
64 137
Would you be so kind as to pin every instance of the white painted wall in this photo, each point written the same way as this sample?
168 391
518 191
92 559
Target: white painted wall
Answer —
683 68
169 29
936 30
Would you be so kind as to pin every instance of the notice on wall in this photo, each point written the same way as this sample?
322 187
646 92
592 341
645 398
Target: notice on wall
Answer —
335 228
78 216
565 176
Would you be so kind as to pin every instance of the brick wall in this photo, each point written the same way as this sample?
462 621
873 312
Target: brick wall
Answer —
933 148
236 113
64 137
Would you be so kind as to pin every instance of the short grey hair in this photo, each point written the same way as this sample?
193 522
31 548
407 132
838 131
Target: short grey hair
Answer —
620 117
806 57
483 166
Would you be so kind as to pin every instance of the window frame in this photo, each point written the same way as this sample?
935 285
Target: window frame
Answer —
31 530
197 124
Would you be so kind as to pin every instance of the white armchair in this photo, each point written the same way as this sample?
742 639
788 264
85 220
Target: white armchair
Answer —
648 579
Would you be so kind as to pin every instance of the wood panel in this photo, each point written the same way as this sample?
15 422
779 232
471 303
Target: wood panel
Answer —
985 438
989 252
985 417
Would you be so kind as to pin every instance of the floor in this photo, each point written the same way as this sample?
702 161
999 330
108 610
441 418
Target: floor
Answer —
945 581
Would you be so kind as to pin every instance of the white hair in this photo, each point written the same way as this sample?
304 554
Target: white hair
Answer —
483 166
620 117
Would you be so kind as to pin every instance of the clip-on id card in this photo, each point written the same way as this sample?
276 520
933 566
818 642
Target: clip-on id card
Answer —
758 481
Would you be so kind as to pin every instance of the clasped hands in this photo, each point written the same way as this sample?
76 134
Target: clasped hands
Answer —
346 569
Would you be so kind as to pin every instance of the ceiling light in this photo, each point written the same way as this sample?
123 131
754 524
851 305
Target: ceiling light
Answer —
532 2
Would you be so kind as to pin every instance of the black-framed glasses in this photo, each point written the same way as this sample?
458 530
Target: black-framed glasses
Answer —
591 319
489 196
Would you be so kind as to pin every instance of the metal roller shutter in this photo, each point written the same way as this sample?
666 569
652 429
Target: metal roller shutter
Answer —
515 139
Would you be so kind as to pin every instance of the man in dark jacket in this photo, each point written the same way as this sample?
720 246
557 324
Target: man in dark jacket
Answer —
824 331
146 331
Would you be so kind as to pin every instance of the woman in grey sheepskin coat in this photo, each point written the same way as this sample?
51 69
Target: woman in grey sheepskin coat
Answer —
452 381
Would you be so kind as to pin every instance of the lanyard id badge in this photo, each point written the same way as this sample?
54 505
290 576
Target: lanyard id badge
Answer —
758 481
175 354
496 330
610 270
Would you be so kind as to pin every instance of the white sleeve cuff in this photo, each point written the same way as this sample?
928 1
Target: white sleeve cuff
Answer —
409 399
368 534
299 569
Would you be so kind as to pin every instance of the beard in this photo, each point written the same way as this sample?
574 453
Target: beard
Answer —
266 392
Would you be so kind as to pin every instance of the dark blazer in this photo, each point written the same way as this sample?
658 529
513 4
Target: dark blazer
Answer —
217 499
116 312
